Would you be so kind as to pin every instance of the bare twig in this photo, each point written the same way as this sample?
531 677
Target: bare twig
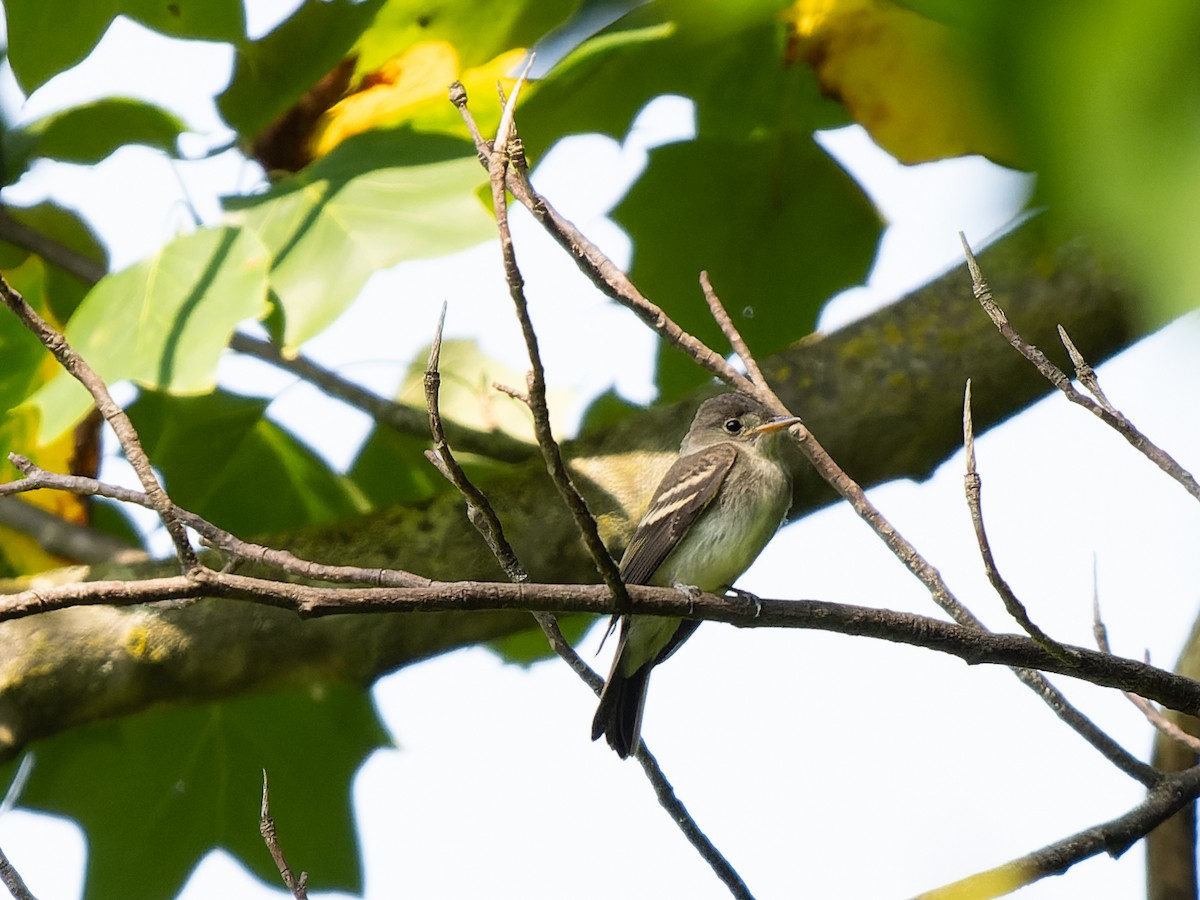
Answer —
725 322
397 416
266 827
1103 410
1114 837
1085 373
669 801
113 414
615 284
973 485
496 159
479 509
281 560
592 262
1153 715
488 524
498 167
13 881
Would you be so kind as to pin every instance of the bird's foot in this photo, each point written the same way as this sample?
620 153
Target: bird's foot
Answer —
691 592
747 597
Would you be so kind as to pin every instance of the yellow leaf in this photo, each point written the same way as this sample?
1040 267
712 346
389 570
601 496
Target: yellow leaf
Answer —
988 884
411 88
20 553
906 79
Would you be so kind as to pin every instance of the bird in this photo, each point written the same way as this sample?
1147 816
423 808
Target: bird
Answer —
709 518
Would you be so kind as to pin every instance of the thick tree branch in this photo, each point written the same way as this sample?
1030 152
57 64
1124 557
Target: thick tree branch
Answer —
921 348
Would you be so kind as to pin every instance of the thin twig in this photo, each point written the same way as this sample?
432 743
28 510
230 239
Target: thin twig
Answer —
669 801
592 262
1085 373
1059 379
585 522
483 516
53 341
1153 715
488 524
496 159
37 478
725 322
13 881
479 509
614 283
399 417
973 486
266 827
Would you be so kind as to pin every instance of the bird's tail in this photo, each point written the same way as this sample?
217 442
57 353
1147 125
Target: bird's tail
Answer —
619 715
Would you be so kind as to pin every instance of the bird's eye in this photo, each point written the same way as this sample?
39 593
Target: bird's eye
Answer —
733 426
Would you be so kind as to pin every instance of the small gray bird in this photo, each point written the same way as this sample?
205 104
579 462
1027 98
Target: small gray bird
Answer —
710 517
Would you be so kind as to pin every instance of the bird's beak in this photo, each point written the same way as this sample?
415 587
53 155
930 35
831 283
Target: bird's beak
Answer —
777 424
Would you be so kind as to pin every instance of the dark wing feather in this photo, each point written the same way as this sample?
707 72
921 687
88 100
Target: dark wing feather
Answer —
684 492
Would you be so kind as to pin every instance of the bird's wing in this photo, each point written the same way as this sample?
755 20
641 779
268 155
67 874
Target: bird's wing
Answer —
684 492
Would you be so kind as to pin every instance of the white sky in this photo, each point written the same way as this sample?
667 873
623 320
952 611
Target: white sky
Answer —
822 766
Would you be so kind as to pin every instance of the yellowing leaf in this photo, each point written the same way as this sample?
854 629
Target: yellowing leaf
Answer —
29 366
986 885
905 78
412 89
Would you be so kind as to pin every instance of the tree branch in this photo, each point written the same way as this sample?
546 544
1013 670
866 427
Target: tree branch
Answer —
616 284
1102 410
1114 837
969 644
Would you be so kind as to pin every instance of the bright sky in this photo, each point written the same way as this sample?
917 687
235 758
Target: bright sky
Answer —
803 755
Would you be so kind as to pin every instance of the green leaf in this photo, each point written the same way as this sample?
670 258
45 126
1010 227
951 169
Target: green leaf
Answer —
46 37
1102 98
653 50
273 73
23 354
224 460
87 134
162 322
606 410
376 200
468 395
156 791
62 226
510 23
524 648
26 366
776 246
753 200
391 468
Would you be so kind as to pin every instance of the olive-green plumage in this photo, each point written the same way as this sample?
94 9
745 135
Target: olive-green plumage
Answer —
711 515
